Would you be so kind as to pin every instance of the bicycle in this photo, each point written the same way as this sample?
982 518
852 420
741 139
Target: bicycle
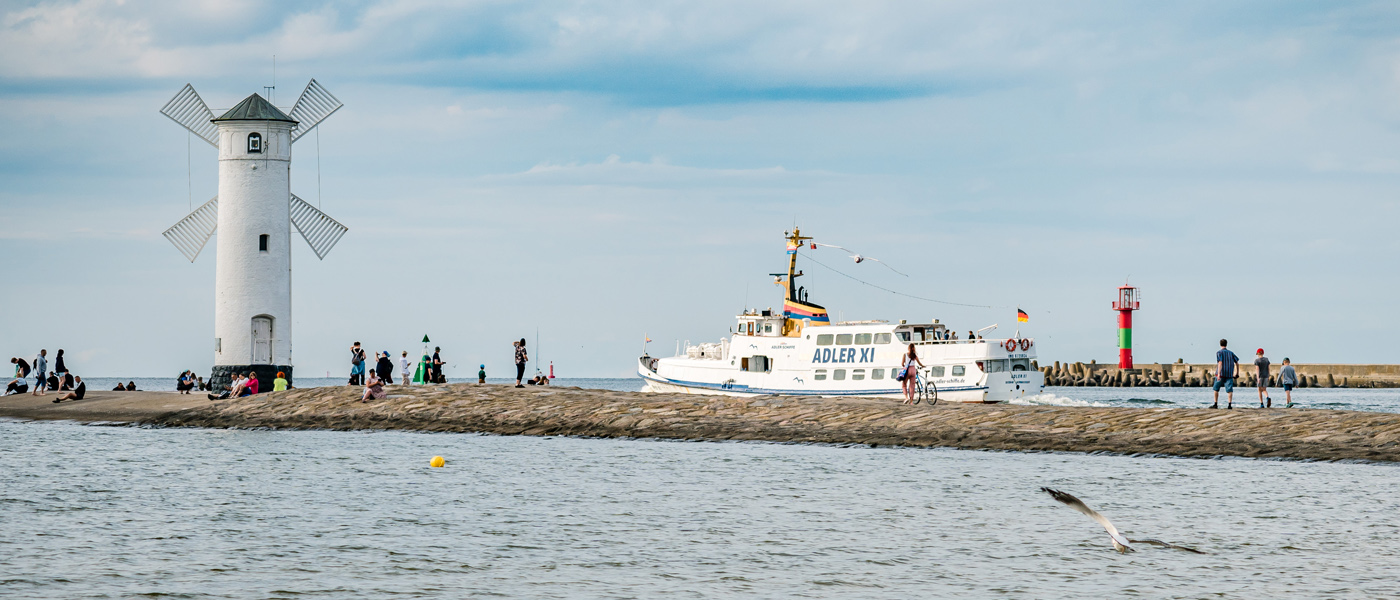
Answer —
925 390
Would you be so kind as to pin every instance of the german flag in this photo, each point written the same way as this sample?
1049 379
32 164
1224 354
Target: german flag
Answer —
1021 316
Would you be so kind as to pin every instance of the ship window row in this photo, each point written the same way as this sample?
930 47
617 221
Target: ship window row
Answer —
860 374
850 339
1002 365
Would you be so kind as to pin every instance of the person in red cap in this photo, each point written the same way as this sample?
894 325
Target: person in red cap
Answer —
1262 364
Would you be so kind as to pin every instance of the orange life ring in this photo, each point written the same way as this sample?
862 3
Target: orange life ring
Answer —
1010 345
1025 344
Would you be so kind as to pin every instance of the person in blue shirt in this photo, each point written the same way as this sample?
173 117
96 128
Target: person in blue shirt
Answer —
1225 363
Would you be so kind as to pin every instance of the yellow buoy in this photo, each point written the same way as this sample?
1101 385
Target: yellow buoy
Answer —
437 461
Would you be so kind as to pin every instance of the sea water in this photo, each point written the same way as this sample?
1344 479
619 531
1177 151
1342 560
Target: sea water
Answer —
122 512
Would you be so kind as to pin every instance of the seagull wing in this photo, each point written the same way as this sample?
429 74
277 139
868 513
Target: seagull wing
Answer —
831 246
887 265
1120 543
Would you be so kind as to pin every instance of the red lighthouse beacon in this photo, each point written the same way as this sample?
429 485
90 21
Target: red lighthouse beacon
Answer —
1125 305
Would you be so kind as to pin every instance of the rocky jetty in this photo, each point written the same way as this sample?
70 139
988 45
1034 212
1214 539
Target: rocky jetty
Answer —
1298 434
1179 374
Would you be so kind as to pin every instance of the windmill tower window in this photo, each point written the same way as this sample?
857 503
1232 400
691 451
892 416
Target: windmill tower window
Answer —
262 243
255 143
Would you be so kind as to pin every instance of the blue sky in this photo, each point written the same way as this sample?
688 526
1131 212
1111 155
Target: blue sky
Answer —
607 171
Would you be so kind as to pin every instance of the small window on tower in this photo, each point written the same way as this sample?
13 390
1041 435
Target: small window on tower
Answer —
262 243
255 143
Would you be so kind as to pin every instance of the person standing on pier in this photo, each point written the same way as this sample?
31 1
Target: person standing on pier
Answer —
437 365
59 368
910 377
405 368
1225 362
357 364
1287 378
1262 364
41 367
21 368
385 368
521 357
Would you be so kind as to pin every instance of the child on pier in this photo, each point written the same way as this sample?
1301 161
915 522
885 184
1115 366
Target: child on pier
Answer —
1288 378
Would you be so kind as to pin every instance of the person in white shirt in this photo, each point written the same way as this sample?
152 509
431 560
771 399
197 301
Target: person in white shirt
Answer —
233 390
405 368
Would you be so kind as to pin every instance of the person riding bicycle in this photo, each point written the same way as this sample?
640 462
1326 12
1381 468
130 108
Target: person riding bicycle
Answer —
910 375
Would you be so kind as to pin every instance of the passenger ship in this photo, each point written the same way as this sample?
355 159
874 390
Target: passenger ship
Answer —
800 352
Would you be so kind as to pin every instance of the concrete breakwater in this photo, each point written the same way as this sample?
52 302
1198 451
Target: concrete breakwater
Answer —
1181 374
1301 434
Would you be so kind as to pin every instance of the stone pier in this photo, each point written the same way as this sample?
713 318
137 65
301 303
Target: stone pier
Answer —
1282 433
1180 374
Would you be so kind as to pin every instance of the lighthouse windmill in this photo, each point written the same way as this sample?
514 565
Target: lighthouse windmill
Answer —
253 213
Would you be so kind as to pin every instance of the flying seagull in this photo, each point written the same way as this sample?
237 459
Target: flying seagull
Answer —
1120 542
857 257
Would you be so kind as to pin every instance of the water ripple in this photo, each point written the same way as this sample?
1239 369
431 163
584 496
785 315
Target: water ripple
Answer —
100 512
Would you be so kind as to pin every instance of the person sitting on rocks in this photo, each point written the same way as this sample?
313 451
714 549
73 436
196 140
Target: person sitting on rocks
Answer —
131 386
77 393
250 385
17 385
119 388
374 388
53 380
235 389
202 385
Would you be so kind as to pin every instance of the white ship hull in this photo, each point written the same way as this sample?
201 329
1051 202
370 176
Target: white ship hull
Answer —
817 363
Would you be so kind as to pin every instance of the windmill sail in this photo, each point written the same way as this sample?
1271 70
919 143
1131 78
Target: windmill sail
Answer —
190 111
314 105
319 230
193 232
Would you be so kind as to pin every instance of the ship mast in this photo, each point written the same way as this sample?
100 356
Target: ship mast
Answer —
795 240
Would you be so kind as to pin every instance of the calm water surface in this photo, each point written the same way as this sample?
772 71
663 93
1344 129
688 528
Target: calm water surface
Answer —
117 512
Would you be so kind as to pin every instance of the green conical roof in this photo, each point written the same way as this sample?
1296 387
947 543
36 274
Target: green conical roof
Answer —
255 108
425 338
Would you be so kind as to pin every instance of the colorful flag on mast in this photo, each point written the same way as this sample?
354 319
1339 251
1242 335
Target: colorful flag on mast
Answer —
1021 316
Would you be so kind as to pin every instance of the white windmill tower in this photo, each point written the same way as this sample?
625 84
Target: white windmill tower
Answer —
253 215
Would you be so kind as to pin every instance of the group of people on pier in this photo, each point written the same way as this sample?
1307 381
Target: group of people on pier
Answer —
381 375
1227 368
59 379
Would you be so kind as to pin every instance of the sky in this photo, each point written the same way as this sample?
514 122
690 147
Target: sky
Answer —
599 173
